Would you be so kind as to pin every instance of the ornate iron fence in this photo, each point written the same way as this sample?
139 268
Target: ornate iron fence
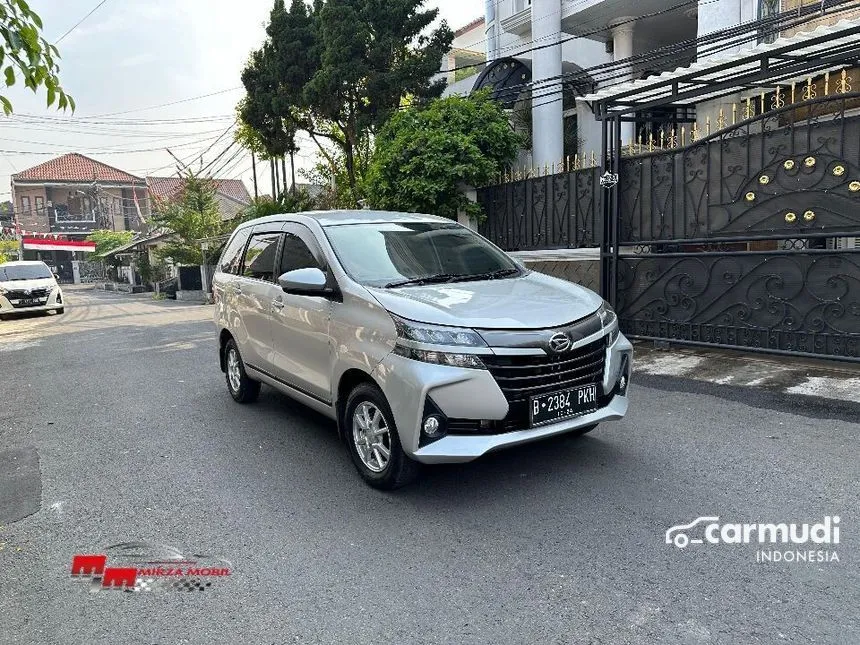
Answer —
544 212
734 239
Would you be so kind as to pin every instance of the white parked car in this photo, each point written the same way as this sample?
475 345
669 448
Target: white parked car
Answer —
27 286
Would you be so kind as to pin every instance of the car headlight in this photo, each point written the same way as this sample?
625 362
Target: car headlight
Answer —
608 318
472 361
411 335
3 291
436 335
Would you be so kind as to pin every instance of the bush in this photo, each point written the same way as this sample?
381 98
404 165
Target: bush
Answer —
424 157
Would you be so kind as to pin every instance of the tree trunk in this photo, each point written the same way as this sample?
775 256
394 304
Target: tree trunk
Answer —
293 171
284 173
254 171
272 168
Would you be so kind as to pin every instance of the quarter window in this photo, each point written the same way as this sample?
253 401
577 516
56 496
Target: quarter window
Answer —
231 259
259 260
296 255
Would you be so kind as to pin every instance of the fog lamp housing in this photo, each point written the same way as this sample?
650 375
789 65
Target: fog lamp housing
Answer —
434 424
623 376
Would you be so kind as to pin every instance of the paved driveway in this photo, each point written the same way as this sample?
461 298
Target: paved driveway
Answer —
116 427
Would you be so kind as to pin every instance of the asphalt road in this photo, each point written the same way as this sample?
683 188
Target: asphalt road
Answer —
121 408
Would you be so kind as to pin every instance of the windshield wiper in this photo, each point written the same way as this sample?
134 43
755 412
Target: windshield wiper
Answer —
492 275
424 279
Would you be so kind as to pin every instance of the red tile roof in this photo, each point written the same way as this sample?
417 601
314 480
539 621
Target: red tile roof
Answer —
75 167
462 30
163 187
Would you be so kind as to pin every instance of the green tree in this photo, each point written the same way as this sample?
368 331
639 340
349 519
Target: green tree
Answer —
338 69
26 54
288 203
193 214
107 240
424 156
8 250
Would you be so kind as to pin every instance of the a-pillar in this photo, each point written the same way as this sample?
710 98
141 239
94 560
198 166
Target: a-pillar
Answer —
622 48
547 120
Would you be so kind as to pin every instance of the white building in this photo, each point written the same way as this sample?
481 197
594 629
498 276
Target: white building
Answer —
554 39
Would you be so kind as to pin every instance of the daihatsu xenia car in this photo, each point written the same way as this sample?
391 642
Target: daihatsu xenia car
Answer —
421 339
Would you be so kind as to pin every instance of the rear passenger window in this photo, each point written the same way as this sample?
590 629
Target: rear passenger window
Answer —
259 260
231 258
296 255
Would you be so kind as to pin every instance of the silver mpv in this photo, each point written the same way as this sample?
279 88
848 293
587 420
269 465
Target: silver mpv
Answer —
424 341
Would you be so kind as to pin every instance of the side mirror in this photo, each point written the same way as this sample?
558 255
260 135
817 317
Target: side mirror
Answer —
57 277
308 282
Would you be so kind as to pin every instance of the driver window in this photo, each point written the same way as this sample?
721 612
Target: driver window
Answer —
260 257
296 255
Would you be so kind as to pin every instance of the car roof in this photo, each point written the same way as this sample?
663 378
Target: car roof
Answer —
339 217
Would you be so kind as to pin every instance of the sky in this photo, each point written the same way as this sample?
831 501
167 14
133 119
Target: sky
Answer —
124 62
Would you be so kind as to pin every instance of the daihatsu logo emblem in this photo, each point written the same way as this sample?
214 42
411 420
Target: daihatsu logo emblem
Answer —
559 343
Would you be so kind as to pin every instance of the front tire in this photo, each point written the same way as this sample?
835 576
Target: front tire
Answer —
242 387
373 441
59 310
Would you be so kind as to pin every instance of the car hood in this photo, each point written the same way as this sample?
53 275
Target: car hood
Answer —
23 285
532 301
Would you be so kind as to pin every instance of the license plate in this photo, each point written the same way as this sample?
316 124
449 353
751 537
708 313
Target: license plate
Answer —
563 404
28 301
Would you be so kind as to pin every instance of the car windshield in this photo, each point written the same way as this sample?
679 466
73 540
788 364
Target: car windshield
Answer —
394 254
11 272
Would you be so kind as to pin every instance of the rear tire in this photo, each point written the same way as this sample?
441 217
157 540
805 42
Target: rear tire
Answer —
60 310
242 387
373 442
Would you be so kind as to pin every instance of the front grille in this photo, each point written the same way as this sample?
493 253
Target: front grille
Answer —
38 295
522 377
17 294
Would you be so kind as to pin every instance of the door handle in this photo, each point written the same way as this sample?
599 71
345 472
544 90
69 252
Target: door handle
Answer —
277 304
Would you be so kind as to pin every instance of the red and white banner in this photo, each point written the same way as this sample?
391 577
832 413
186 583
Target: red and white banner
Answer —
59 245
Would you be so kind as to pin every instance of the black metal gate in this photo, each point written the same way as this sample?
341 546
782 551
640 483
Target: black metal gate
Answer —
745 238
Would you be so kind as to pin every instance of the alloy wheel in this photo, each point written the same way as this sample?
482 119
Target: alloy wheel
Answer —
371 436
234 371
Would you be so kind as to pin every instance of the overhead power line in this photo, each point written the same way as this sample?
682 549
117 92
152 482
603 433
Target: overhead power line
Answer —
78 23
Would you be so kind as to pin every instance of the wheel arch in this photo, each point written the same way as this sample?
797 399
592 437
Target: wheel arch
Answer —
223 337
347 382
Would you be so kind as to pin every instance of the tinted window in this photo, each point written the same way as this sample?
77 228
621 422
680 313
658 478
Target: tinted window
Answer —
376 254
232 256
260 256
296 254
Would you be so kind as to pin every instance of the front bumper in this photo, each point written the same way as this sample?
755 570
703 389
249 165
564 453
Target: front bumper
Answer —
461 393
53 300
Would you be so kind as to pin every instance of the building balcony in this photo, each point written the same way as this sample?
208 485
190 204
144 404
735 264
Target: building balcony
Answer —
519 21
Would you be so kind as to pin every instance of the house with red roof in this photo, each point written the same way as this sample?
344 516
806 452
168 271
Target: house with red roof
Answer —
61 201
72 195
231 194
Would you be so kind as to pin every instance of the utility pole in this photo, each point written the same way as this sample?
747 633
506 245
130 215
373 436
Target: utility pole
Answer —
254 171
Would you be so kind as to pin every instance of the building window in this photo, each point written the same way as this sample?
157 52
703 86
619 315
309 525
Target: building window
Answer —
767 9
25 205
40 205
521 5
